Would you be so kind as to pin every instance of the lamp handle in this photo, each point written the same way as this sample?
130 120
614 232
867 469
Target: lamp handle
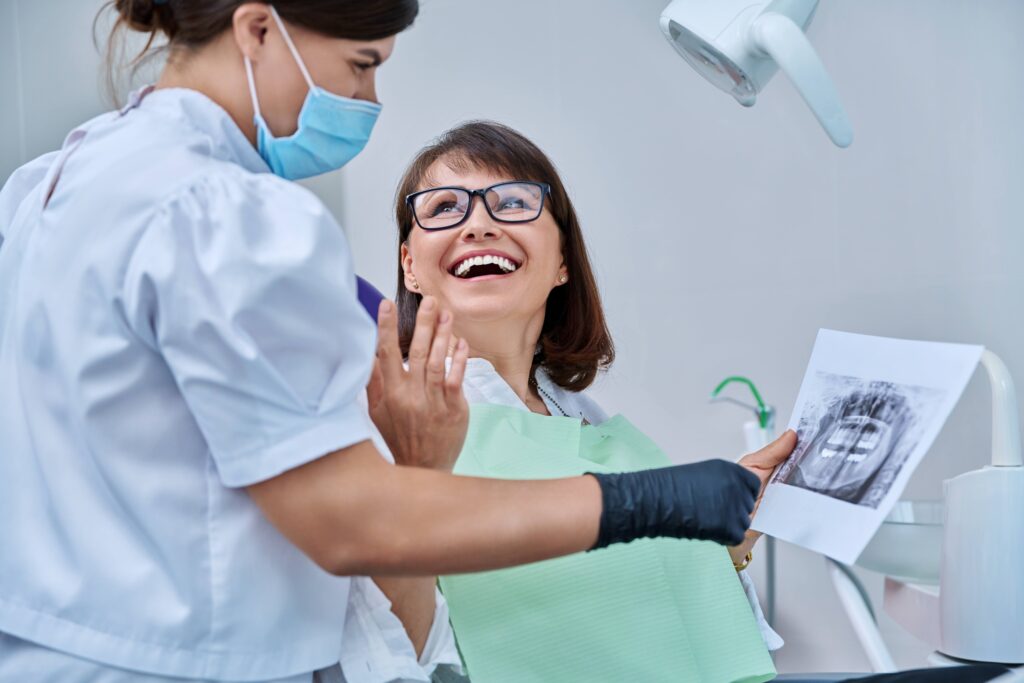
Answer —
780 38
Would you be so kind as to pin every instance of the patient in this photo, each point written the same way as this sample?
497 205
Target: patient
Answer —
487 228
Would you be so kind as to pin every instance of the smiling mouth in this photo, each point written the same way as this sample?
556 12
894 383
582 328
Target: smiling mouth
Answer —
481 266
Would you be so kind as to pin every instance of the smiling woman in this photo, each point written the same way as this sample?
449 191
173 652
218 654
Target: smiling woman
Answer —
482 269
488 230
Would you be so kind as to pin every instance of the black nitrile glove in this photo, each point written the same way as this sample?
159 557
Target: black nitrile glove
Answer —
708 501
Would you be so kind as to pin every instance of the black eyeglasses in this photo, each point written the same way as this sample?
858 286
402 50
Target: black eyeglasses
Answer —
442 208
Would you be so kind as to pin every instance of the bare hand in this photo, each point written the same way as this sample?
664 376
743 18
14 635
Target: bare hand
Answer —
421 412
762 463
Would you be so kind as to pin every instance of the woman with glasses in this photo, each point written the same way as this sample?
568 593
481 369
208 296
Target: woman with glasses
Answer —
486 228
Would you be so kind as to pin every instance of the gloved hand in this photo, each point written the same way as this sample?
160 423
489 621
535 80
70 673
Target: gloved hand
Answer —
710 500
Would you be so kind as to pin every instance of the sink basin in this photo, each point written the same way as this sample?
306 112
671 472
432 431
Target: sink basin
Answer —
908 545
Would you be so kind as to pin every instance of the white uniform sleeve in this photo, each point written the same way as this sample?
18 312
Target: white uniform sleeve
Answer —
19 185
772 640
377 649
244 284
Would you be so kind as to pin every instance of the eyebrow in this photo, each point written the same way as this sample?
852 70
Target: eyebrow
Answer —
372 54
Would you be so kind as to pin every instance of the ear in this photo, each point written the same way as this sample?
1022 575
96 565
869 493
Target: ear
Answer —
407 269
563 275
249 25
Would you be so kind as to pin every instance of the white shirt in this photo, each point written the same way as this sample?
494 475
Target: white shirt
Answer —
176 323
484 385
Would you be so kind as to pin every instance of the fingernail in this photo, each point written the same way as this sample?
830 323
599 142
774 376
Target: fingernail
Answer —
428 304
445 316
385 306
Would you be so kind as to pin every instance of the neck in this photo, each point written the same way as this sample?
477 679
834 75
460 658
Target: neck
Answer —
217 71
508 345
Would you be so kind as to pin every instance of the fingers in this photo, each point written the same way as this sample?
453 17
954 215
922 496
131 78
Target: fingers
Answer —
422 336
436 361
751 488
453 383
772 455
389 354
375 389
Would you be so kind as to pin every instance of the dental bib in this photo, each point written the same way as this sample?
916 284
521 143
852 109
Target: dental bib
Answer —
652 610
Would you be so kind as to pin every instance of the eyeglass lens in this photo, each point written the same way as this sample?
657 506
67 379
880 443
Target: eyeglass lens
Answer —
507 202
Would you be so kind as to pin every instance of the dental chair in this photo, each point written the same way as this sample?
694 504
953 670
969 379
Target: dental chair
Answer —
369 296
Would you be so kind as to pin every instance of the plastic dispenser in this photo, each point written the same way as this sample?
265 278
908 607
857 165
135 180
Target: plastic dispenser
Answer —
981 602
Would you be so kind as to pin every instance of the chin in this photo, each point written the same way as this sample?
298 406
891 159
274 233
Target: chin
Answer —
483 311
484 308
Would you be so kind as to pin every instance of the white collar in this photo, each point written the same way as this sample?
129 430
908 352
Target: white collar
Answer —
483 384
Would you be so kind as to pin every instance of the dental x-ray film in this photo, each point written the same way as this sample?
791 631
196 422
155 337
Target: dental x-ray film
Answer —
868 410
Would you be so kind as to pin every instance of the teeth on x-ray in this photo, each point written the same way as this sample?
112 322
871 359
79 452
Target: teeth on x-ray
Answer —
855 436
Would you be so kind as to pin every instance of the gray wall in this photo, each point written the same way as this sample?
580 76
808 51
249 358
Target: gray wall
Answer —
723 237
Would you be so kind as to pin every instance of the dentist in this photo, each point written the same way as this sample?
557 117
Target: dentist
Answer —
186 476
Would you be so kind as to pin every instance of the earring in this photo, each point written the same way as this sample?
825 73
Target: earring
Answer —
415 284
563 279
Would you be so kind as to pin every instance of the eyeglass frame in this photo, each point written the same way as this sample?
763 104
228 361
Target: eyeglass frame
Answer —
545 190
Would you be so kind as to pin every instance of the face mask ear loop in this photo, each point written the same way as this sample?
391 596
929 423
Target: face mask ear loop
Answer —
291 46
252 89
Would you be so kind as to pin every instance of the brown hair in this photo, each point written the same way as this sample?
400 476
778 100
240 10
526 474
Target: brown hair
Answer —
574 343
191 24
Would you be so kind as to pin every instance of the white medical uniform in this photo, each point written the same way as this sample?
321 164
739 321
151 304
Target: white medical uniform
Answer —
483 384
176 323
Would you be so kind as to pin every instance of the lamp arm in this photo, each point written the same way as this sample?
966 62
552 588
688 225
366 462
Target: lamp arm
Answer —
777 36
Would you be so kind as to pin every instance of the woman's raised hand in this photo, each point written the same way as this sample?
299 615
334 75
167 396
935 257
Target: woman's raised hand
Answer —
421 411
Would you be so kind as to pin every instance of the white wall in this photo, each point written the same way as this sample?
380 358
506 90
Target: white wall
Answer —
723 237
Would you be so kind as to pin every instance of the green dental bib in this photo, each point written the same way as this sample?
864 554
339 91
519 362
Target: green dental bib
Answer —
647 611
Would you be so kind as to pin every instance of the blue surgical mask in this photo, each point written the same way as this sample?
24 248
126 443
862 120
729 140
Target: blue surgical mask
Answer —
331 131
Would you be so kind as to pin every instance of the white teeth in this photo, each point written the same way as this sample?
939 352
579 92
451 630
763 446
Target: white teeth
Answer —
500 261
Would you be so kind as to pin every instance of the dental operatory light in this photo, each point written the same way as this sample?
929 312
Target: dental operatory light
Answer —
738 45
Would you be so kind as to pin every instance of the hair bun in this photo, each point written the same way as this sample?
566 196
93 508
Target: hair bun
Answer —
147 16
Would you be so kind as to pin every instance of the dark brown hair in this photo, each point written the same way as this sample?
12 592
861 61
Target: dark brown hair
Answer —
193 23
574 343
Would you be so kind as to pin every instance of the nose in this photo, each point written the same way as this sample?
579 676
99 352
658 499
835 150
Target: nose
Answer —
369 91
479 225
